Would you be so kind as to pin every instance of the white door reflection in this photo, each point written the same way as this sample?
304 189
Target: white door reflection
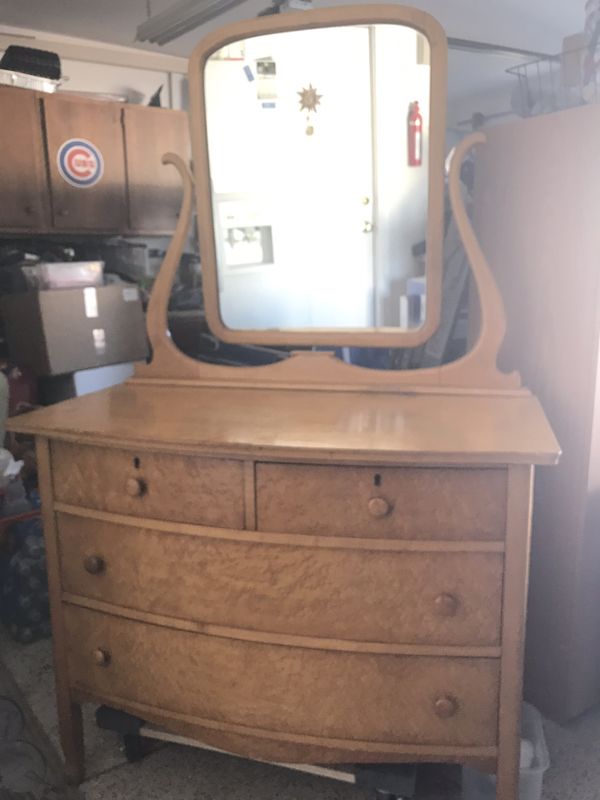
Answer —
316 211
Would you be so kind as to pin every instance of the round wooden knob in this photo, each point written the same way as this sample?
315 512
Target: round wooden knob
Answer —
134 487
94 564
101 657
446 605
445 706
379 507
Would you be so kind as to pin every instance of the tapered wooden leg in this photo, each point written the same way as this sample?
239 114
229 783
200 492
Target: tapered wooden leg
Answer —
507 775
69 713
71 739
516 571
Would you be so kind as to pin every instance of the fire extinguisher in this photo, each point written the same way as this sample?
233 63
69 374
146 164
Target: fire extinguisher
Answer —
415 136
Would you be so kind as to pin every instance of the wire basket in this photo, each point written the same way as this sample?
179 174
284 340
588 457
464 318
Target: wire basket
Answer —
554 83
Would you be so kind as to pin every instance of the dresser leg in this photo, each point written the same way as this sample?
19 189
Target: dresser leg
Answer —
516 570
71 739
70 722
507 778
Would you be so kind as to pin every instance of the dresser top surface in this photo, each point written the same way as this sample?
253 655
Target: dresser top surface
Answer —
376 427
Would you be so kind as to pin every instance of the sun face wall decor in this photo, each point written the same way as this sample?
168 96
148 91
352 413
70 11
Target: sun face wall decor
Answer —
309 100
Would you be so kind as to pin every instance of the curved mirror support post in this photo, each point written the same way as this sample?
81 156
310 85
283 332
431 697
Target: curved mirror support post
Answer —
164 352
479 365
483 355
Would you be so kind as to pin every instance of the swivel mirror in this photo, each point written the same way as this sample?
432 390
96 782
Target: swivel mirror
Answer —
324 173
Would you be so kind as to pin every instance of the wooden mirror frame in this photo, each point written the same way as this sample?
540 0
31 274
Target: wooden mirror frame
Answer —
474 373
343 16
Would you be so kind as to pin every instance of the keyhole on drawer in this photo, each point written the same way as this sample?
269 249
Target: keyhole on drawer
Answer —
136 462
377 480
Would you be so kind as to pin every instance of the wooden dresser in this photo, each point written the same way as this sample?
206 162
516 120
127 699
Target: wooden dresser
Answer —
292 576
307 561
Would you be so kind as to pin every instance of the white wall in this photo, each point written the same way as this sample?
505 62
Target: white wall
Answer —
92 66
135 85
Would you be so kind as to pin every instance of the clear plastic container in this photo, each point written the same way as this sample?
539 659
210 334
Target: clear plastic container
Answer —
64 274
481 786
23 80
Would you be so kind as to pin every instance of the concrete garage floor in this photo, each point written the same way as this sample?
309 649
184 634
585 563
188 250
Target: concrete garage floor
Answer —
183 773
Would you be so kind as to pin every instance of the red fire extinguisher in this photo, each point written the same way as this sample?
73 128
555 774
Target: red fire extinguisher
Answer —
415 136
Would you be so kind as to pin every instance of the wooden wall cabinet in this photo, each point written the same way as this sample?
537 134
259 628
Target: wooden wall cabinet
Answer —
136 193
23 197
154 190
103 206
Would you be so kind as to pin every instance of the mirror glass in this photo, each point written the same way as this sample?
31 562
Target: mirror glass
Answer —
318 144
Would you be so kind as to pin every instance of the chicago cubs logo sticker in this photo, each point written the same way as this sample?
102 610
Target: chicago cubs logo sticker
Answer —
80 163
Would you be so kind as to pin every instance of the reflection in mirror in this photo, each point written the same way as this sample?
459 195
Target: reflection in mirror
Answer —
318 151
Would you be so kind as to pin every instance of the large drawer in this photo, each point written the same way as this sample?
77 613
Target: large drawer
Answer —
286 689
344 593
193 489
405 503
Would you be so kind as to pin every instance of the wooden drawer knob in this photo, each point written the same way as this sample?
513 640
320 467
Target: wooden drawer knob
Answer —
101 657
379 507
94 564
446 605
445 706
134 487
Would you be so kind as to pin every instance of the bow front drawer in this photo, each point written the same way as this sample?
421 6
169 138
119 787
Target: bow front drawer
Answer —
294 690
331 593
387 502
206 491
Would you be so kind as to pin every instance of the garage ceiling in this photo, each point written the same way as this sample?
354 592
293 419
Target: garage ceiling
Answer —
529 24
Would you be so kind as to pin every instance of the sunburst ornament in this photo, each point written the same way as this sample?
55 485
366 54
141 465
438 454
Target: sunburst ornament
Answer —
309 100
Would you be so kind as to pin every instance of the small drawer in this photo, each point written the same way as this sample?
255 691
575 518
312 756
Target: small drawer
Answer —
386 502
331 593
292 690
206 491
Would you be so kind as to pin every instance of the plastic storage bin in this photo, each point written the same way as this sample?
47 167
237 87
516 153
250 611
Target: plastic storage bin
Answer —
481 786
64 274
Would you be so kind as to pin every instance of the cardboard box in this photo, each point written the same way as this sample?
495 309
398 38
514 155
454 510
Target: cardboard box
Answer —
56 388
63 330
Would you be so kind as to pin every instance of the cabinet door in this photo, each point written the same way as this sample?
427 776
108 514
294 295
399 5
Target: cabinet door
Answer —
86 163
23 186
155 190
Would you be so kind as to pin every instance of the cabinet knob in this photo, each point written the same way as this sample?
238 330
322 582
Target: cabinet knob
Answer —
28 209
446 605
64 212
379 507
94 564
445 706
101 657
134 487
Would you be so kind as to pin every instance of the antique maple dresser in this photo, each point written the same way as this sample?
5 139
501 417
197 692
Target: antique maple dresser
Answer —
309 561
